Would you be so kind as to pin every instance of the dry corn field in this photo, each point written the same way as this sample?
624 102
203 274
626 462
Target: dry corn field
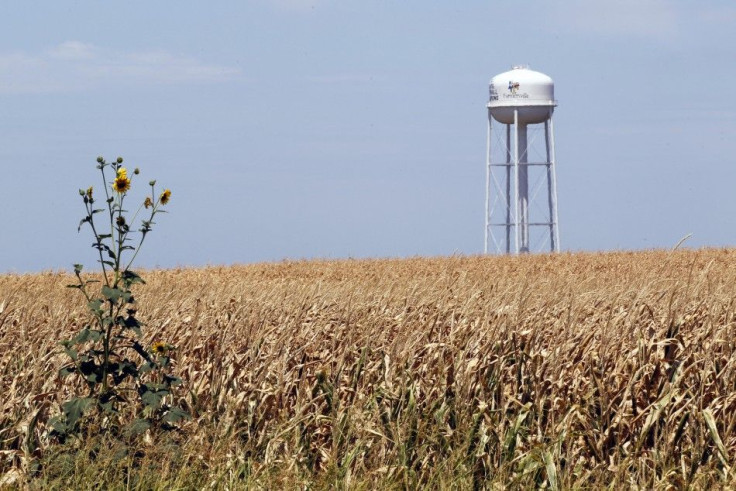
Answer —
557 371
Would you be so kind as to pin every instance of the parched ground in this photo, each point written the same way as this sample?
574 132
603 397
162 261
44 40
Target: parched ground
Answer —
564 371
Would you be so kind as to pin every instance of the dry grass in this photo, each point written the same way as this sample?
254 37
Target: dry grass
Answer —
563 371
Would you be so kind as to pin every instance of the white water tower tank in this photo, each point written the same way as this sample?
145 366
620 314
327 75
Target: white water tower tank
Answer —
532 93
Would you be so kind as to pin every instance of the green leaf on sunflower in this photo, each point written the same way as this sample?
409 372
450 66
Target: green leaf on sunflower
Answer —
153 398
71 352
175 414
138 427
75 409
112 294
172 381
94 305
131 278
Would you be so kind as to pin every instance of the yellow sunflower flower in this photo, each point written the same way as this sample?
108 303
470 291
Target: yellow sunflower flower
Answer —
121 183
159 348
165 196
148 202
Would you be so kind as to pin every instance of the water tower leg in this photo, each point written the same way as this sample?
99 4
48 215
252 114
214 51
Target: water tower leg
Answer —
523 187
508 189
517 238
488 185
550 193
552 169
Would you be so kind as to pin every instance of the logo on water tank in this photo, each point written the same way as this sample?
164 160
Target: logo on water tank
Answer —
514 92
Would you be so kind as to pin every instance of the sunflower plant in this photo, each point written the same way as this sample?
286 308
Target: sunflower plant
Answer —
123 385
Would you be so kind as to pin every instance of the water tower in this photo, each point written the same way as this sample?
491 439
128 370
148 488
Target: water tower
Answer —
518 220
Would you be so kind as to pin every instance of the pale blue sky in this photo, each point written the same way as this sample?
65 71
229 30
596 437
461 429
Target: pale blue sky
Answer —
333 129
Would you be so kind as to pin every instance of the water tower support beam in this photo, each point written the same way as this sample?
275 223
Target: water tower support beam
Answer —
523 186
508 189
552 180
517 230
488 185
550 198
